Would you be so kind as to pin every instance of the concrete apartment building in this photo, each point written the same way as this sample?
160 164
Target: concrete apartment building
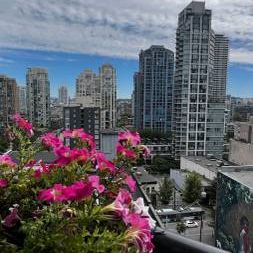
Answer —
153 89
9 101
108 96
94 90
124 113
198 113
88 88
38 96
63 95
241 147
22 99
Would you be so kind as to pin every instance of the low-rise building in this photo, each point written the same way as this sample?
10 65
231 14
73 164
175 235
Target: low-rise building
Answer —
148 182
234 216
241 147
204 166
108 141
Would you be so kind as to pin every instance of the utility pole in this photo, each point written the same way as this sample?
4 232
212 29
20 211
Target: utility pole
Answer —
201 226
174 198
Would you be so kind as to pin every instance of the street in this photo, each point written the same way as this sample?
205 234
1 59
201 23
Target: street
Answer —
194 233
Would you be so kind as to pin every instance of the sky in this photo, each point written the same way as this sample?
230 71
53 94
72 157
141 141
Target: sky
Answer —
67 36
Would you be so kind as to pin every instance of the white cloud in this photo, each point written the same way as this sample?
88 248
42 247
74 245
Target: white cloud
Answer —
116 28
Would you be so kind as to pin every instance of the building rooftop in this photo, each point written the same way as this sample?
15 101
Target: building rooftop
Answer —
144 177
45 156
211 163
242 174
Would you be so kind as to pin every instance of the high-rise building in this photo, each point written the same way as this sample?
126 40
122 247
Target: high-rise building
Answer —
201 72
88 88
63 95
88 118
38 96
94 90
221 51
107 76
22 99
124 113
9 101
153 89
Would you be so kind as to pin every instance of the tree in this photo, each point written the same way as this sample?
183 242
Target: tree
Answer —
192 189
181 227
165 191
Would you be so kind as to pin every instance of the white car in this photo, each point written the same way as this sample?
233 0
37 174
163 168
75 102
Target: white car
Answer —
191 224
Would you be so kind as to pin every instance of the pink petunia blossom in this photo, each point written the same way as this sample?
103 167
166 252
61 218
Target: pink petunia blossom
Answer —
145 150
79 133
78 191
23 124
51 140
11 219
125 152
131 183
66 155
54 194
139 231
102 163
3 183
124 197
132 138
94 180
61 193
7 160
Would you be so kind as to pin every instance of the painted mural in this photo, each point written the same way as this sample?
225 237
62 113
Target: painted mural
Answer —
234 216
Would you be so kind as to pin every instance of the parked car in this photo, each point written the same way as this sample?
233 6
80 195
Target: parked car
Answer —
191 224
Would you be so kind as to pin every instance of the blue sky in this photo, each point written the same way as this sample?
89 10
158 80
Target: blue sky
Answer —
63 68
68 36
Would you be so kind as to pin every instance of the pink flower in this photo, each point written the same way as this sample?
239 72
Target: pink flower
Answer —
6 160
54 194
23 124
3 183
51 140
132 138
124 197
94 180
102 163
42 169
131 183
79 133
67 155
11 219
78 191
125 152
139 232
145 150
61 193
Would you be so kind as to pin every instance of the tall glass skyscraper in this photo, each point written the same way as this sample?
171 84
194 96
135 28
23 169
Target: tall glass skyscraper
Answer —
153 89
198 116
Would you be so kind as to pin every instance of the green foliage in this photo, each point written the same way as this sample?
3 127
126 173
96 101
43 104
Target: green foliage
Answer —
86 222
165 191
181 227
163 164
192 188
3 144
151 135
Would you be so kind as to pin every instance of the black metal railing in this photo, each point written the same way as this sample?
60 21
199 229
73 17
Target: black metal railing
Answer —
174 243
